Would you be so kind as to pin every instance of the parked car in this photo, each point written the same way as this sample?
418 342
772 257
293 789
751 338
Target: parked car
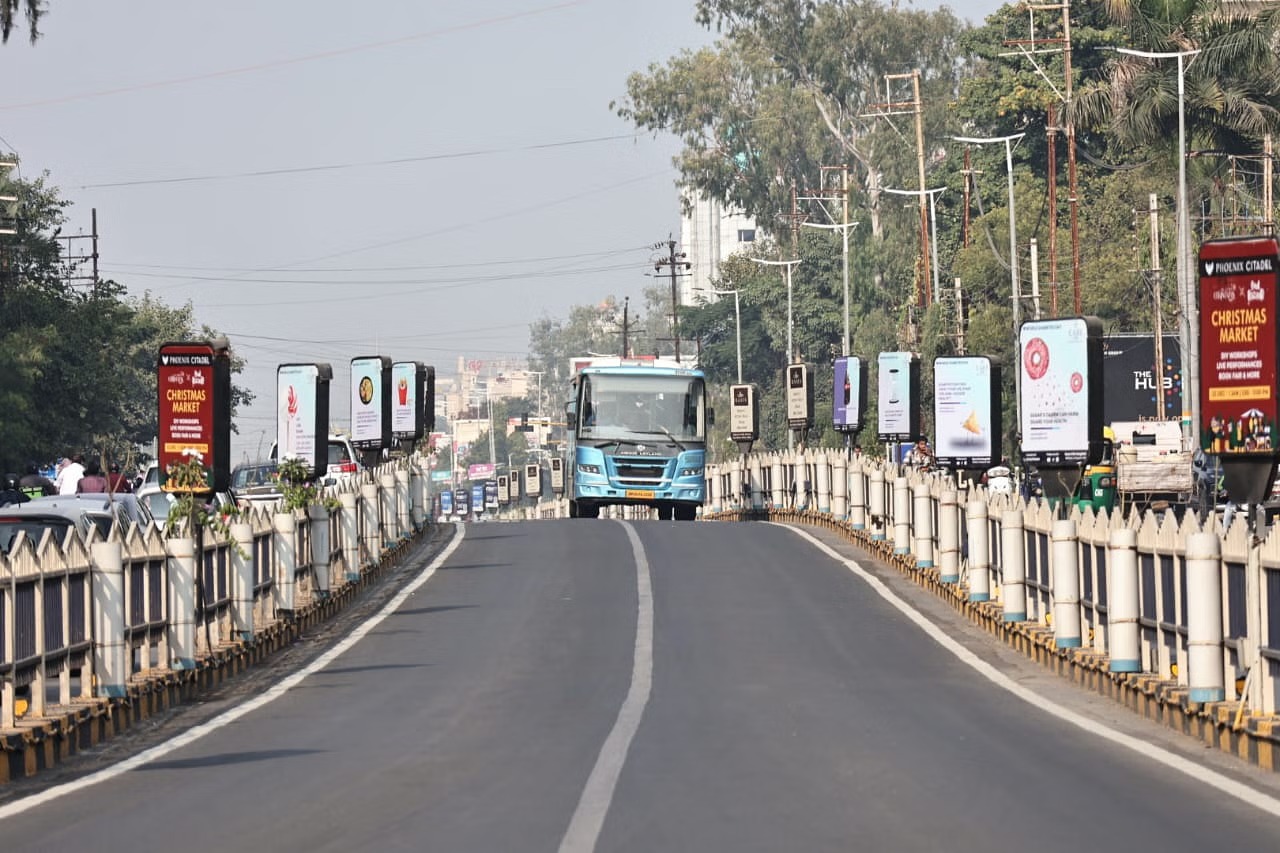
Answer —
256 483
59 513
344 460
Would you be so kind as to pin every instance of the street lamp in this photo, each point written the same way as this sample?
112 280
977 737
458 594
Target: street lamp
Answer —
786 268
1186 298
845 228
737 321
1015 289
933 219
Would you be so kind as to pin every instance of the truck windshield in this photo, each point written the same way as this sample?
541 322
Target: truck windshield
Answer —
616 407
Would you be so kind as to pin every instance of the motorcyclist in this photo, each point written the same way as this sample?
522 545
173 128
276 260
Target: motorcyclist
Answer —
999 478
12 493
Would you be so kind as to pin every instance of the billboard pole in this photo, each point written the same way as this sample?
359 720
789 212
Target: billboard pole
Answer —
1157 282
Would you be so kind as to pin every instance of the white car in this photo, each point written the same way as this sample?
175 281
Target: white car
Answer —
344 460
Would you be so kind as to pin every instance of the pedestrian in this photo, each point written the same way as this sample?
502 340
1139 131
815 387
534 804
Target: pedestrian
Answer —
69 474
117 482
34 484
93 480
920 457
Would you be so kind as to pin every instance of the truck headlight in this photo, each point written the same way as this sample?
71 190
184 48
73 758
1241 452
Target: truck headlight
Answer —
589 469
691 472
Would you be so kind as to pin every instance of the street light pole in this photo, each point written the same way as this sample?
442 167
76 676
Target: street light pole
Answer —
737 323
933 250
1015 288
1187 328
844 228
786 267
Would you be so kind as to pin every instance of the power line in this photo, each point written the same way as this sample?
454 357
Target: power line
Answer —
459 265
359 164
295 60
428 284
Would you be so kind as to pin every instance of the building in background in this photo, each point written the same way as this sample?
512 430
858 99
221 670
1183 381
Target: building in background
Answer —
709 233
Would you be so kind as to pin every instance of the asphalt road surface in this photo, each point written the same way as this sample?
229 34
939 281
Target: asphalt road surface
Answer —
647 686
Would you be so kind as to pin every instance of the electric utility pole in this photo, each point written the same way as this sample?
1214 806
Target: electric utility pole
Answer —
674 262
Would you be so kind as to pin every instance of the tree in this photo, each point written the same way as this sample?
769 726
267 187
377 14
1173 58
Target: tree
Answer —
11 9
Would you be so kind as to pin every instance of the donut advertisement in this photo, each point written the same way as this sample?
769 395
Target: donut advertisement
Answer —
1060 390
1238 345
966 412
898 396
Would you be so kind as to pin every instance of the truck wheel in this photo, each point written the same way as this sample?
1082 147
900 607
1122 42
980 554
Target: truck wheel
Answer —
573 509
664 513
686 513
588 511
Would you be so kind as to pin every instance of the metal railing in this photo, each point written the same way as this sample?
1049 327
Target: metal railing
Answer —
1169 595
90 615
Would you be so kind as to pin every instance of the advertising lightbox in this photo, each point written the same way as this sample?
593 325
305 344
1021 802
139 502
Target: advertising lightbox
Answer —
744 413
1238 346
1060 390
799 396
302 415
194 417
849 393
898 389
966 412
408 380
371 402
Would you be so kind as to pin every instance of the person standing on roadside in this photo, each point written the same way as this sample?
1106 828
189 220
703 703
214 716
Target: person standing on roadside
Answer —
69 475
116 481
93 481
34 484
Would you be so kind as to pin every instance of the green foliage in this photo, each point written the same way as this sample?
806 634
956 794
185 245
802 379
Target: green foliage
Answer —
298 490
191 512
77 367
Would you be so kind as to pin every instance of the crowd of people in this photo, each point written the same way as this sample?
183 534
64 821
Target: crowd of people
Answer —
72 475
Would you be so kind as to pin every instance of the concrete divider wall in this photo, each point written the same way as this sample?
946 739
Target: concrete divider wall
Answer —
1247 593
49 592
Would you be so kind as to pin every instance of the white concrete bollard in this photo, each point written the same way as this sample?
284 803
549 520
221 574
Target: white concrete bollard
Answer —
1066 585
822 461
418 513
350 521
110 654
370 526
242 580
1205 672
1124 633
390 512
713 489
735 486
840 487
779 481
876 505
979 551
922 525
319 517
181 567
857 497
1013 569
901 516
755 481
404 506
284 545
949 538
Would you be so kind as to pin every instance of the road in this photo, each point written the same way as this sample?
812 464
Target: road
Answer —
580 685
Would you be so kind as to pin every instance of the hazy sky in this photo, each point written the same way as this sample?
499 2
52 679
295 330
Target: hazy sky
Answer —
517 192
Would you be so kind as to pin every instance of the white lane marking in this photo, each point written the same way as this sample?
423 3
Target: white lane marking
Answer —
1199 773
597 796
226 718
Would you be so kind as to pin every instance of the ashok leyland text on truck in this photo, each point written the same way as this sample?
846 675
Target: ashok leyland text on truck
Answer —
637 436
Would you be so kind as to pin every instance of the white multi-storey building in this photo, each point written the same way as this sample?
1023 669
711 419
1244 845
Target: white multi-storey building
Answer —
709 233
